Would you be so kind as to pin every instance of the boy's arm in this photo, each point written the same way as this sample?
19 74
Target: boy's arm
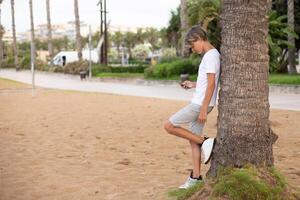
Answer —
208 94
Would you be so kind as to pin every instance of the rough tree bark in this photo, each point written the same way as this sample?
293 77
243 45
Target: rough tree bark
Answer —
50 46
78 36
184 26
244 134
291 39
15 48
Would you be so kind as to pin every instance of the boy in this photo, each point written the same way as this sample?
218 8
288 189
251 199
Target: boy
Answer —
203 101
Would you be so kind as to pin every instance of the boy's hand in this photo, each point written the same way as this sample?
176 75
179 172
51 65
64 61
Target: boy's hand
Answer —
187 85
202 116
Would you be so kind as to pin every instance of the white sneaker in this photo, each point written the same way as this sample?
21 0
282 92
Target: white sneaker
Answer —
207 149
190 182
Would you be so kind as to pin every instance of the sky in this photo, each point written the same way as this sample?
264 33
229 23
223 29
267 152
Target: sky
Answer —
129 13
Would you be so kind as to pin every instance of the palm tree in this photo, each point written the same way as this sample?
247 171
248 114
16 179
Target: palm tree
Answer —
117 38
184 25
2 31
129 42
32 44
291 39
203 12
15 49
78 36
50 45
244 134
152 37
140 36
1 36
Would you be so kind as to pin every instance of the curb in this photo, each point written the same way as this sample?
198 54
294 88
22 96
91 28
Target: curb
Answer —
285 89
274 88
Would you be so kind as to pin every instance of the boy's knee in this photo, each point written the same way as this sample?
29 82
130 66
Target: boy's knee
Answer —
168 126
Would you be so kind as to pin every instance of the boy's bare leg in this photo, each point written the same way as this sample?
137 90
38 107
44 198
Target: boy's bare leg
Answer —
183 133
196 157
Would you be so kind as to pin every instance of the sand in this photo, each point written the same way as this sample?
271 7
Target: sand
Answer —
75 145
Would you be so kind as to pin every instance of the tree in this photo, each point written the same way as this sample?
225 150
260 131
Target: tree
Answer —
129 42
77 25
203 12
50 45
1 36
140 36
206 13
244 135
184 26
173 30
15 50
152 37
291 39
32 33
281 7
117 39
1 42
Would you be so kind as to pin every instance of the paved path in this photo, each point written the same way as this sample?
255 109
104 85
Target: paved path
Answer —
170 91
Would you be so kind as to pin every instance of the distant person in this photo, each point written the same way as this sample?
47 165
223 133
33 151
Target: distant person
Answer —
64 60
202 103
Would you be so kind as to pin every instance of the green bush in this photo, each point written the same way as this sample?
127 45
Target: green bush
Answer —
96 69
149 72
9 63
41 65
138 69
168 59
56 69
177 67
76 67
160 70
25 62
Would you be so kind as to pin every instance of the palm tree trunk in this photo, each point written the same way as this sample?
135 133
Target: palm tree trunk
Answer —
32 49
50 46
291 39
15 49
184 26
1 37
1 43
244 134
78 36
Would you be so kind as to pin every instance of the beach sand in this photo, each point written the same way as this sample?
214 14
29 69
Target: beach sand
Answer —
75 145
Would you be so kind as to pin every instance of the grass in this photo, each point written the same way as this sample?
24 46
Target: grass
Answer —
284 79
181 194
11 84
120 75
249 183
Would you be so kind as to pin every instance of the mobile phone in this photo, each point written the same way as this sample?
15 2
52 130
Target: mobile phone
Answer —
184 86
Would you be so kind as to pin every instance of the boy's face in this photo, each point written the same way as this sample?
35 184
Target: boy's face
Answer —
197 46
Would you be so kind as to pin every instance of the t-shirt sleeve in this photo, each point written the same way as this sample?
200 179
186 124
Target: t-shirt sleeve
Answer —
212 63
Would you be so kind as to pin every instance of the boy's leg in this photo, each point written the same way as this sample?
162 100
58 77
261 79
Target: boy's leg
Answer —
186 115
196 157
183 133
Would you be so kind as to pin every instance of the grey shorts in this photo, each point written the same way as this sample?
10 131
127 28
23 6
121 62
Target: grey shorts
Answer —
189 115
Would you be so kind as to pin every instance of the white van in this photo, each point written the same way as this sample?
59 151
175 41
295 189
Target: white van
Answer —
65 57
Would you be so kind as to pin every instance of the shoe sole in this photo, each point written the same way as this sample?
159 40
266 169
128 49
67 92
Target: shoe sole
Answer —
213 145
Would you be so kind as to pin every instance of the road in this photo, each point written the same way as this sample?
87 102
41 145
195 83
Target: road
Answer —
163 91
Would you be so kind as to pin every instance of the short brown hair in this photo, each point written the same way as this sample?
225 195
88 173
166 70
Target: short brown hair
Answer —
195 33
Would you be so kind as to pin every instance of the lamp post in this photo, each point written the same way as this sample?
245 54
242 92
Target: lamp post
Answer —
90 52
103 30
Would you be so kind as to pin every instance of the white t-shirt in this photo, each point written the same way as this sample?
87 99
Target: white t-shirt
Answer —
210 64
